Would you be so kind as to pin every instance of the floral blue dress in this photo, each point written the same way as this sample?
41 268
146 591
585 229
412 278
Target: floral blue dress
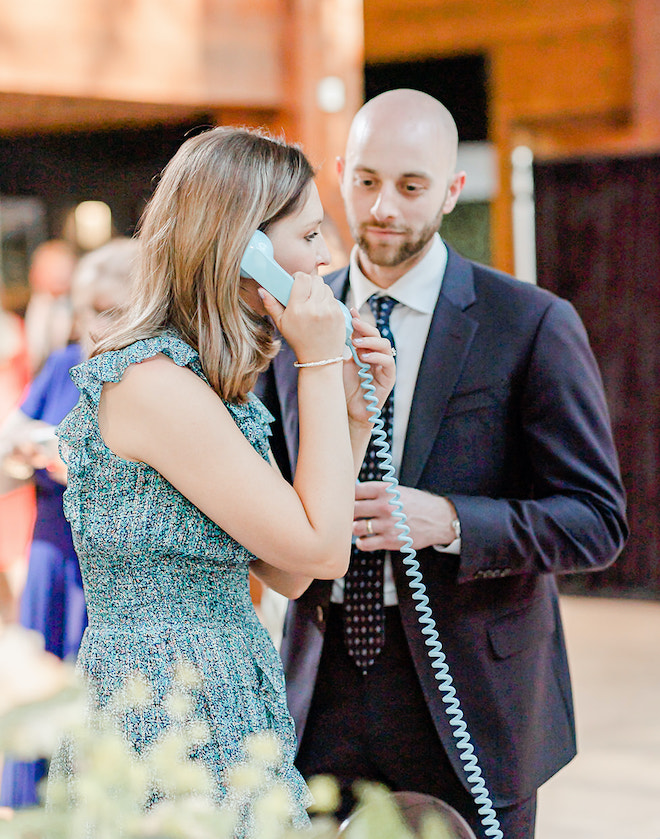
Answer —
166 586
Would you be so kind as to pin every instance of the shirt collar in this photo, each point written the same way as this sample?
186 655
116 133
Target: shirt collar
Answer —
417 289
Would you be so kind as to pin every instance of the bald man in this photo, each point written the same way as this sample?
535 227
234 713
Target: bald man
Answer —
503 448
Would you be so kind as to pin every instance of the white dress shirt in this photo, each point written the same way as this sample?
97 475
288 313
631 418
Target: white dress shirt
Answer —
417 291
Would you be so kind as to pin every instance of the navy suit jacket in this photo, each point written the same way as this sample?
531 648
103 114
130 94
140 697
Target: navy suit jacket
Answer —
509 421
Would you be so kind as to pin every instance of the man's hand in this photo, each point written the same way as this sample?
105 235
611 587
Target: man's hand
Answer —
429 518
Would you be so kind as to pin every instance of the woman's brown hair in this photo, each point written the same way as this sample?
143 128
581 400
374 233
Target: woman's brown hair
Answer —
216 191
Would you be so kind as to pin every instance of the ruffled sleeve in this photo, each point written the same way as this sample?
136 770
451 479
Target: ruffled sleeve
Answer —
254 420
79 437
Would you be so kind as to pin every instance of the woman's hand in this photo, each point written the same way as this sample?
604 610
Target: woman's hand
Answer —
377 352
312 323
29 445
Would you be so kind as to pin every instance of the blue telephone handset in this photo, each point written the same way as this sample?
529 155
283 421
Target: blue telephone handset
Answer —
259 264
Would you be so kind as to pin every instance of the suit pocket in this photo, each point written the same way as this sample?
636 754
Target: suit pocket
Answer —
475 400
520 630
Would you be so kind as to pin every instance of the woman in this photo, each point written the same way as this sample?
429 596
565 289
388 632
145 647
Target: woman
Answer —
52 602
16 499
171 494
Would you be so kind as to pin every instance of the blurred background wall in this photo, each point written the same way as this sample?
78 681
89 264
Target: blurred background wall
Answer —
557 104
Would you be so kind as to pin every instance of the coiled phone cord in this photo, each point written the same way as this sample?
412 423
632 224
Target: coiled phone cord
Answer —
425 616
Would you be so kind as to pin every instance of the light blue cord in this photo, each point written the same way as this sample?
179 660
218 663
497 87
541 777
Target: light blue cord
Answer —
425 616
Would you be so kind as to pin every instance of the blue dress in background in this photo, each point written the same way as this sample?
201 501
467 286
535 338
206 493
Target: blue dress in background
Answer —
165 586
52 601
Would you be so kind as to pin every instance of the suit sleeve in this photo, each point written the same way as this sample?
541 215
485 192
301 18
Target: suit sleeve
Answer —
266 390
575 518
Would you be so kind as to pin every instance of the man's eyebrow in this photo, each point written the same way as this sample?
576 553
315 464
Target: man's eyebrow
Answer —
422 175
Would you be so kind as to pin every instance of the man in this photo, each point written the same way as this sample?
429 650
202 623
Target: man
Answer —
508 476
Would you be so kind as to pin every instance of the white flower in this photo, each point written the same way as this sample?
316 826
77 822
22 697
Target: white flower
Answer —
274 806
169 750
263 747
186 675
137 693
198 731
325 792
245 777
193 817
192 777
179 705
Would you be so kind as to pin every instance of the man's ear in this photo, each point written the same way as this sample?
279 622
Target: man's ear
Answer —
341 168
455 188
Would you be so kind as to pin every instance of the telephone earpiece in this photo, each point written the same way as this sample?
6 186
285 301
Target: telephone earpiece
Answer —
259 264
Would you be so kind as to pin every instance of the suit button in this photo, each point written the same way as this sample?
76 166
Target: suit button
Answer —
319 614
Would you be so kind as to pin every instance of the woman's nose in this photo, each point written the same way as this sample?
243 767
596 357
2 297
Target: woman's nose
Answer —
323 254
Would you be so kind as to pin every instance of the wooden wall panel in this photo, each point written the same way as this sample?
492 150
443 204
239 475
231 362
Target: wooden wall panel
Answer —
404 29
575 74
22 113
170 51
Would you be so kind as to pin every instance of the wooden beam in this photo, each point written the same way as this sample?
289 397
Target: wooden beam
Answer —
323 39
399 30
646 42
634 126
185 52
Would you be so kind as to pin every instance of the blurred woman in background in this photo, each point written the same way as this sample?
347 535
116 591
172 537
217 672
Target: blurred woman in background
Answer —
52 602
16 499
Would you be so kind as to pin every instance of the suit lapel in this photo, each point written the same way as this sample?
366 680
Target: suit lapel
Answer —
338 282
286 378
450 336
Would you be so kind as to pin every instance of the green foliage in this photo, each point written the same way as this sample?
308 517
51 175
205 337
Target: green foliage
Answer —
162 793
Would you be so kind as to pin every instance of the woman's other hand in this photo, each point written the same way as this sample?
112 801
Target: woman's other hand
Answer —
375 351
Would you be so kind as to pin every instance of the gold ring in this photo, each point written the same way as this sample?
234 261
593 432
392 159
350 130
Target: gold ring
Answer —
370 530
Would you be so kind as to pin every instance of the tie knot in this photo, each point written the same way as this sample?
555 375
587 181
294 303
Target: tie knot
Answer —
381 306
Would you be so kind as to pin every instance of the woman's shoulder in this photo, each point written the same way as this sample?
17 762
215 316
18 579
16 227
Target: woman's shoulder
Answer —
111 365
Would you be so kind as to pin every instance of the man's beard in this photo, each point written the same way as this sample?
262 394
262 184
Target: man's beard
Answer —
387 257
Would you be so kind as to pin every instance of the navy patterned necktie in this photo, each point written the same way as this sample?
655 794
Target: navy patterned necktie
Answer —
364 615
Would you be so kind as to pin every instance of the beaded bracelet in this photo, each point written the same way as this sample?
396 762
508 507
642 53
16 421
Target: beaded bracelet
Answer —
318 363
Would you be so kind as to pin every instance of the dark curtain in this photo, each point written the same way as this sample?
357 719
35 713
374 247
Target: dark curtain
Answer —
598 245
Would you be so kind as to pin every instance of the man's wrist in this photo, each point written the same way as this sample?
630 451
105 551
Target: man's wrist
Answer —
454 523
452 539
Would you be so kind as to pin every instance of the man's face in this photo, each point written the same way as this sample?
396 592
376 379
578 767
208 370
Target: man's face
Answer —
396 184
